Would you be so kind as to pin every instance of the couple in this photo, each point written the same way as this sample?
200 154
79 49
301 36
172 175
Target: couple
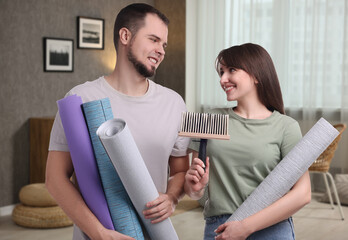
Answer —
262 136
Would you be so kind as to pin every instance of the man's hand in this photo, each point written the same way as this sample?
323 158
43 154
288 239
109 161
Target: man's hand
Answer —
107 234
161 208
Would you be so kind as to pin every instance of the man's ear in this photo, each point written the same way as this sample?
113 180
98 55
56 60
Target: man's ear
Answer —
125 36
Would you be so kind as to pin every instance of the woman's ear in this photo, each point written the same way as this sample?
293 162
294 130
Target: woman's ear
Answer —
125 36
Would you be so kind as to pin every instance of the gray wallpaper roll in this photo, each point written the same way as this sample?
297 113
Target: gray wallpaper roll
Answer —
125 156
289 170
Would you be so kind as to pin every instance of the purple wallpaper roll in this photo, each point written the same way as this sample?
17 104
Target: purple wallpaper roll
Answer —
82 156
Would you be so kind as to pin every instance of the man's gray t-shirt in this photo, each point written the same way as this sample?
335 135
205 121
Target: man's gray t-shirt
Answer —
153 119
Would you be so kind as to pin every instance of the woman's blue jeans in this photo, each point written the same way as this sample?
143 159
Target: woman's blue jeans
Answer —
283 230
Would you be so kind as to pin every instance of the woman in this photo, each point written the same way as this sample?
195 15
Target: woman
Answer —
261 136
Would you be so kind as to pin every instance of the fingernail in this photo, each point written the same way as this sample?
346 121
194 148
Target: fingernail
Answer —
203 165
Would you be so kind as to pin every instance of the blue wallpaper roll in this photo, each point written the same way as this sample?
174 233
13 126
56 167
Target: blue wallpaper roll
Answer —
122 211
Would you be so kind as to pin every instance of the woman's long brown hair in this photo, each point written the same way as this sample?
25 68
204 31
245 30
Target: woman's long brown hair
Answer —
256 61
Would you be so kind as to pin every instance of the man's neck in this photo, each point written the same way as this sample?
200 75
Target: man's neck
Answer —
128 81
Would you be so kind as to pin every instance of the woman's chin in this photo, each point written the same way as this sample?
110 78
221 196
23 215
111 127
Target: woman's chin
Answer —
229 98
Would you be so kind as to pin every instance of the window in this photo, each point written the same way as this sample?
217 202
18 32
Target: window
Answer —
308 42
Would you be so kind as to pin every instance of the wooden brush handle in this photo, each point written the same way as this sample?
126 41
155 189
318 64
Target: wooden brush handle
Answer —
203 150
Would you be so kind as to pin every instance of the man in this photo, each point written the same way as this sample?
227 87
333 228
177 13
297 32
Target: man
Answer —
151 111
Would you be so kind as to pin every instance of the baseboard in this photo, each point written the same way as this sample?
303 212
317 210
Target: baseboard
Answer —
6 210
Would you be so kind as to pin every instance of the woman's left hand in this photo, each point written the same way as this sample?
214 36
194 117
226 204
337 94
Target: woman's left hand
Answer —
234 230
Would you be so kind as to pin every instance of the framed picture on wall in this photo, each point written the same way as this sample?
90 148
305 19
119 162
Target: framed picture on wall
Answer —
58 54
90 33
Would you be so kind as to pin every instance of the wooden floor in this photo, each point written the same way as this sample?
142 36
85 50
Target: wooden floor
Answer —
316 221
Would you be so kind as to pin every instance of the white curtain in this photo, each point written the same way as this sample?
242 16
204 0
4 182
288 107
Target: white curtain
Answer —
308 42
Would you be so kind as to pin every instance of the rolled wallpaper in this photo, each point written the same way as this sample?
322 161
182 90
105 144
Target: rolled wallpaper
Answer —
123 213
288 171
125 156
82 156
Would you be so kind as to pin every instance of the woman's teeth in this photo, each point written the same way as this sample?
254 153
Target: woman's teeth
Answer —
228 88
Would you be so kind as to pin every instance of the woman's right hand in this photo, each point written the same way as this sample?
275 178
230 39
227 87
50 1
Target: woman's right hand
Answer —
196 177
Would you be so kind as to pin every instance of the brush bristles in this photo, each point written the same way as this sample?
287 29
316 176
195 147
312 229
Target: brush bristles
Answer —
204 125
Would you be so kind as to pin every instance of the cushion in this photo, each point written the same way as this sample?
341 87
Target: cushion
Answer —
341 181
36 195
40 217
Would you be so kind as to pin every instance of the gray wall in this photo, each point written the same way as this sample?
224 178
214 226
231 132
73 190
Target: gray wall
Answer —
27 91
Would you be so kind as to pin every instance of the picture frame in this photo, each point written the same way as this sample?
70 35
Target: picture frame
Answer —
58 54
90 33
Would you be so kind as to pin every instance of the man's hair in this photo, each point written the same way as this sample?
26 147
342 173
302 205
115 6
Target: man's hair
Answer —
132 17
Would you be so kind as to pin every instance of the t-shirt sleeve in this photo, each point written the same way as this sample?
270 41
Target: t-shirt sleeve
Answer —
181 143
58 140
292 135
180 147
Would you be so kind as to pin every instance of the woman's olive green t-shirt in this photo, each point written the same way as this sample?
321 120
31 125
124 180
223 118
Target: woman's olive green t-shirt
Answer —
239 165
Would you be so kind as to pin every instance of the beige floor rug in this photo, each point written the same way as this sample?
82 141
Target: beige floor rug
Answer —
186 204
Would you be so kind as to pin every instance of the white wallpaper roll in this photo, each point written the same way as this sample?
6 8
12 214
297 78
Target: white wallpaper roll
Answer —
125 156
289 170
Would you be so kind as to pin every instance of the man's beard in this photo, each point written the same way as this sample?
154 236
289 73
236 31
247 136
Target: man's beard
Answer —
140 67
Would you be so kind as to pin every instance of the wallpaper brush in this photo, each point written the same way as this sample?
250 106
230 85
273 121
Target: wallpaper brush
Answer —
204 126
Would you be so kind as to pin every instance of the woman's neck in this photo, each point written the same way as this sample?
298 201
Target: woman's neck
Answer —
252 111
